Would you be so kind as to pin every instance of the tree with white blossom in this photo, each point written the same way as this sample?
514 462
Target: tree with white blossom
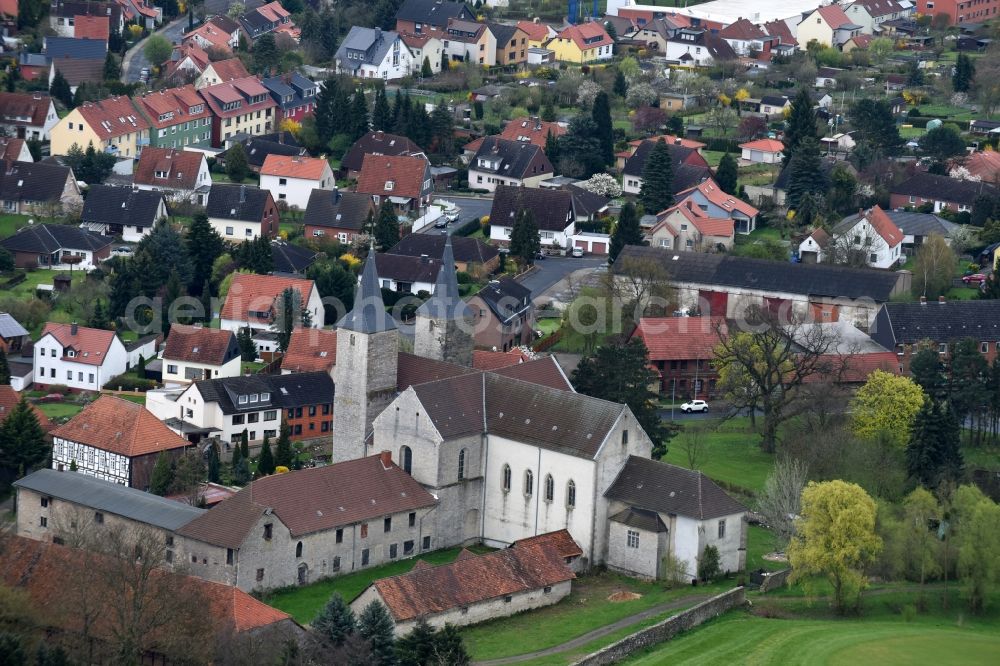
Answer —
604 184
640 94
587 93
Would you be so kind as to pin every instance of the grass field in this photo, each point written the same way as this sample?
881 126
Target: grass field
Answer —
11 223
760 542
35 278
303 603
730 453
60 410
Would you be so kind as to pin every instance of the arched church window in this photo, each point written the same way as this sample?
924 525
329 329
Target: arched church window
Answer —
550 488
298 549
529 482
506 478
571 494
406 457
461 464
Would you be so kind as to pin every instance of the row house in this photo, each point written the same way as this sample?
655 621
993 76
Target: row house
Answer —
27 115
178 117
430 17
871 14
182 175
424 48
84 359
294 94
239 106
371 53
111 125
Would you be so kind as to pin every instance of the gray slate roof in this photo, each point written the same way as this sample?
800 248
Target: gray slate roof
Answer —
942 188
78 49
909 323
655 486
338 209
109 497
121 205
640 519
552 209
446 303
921 224
469 250
506 298
766 275
236 202
10 327
373 42
290 258
434 12
294 390
33 181
368 314
515 157
49 238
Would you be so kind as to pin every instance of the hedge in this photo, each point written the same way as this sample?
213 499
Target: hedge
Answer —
469 228
719 144
129 383
16 280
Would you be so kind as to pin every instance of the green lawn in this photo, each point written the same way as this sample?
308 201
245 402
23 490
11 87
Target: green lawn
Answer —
60 410
137 399
585 609
730 453
11 223
760 542
765 233
303 603
43 276
713 157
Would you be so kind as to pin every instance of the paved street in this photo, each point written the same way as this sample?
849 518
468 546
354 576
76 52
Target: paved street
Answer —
135 58
469 208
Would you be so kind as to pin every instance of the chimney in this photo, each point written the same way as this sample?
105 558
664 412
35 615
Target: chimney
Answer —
73 328
923 300
378 34
243 193
386 458
424 258
941 299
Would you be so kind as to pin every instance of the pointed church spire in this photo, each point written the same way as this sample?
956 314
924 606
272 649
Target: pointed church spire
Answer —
446 303
368 314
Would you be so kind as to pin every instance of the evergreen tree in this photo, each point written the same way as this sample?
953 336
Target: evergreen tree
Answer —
548 112
381 113
417 647
291 312
60 90
241 468
72 465
376 626
326 111
933 454
443 130
174 290
449 647
206 301
248 348
875 127
928 372
675 125
99 317
961 80
22 440
265 463
358 115
551 149
525 241
237 167
265 54
801 123
627 231
621 85
657 191
163 475
805 176
283 454
726 174
12 649
214 465
203 245
245 444
4 368
111 68
425 69
601 114
386 226
336 621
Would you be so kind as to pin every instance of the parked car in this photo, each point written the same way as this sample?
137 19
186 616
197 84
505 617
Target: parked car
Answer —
975 278
122 251
541 256
577 252
694 406
442 223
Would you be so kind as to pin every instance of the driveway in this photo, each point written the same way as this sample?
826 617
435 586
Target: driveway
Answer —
551 274
468 208
135 59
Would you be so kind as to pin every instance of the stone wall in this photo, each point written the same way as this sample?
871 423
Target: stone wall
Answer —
666 630
775 580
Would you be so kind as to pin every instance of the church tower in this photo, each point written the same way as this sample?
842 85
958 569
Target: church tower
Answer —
365 373
444 325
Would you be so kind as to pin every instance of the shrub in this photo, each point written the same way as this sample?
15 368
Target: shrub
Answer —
129 383
61 389
463 277
708 565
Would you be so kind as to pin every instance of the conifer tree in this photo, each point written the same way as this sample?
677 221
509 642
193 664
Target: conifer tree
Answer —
381 113
162 476
245 444
657 192
265 463
237 167
203 245
425 69
336 621
601 114
805 177
525 241
801 123
627 231
386 226
376 626
99 317
928 372
60 90
933 453
548 112
621 85
5 368
283 453
22 440
417 647
726 174
214 465
248 348
358 115
961 80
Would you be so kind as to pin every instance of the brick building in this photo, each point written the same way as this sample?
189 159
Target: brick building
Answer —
681 349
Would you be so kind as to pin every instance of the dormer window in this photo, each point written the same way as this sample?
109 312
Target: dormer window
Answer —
253 397
244 399
264 397
161 174
389 185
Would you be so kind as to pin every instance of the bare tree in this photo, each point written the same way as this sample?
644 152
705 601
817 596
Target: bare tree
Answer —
780 500
642 284
693 444
933 268
854 247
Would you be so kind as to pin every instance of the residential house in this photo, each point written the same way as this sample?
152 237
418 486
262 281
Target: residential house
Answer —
181 175
774 104
316 523
726 285
193 353
469 41
692 47
407 275
48 245
690 166
538 33
269 18
937 193
861 42
241 105
905 327
78 60
871 14
252 301
984 165
682 350
310 350
258 404
220 32
812 247
653 34
420 17
338 214
92 27
471 255
583 43
38 188
469 589
234 617
552 211
111 125
13 336
74 48
294 178
221 71
503 162
660 512
958 12
187 62
257 148
918 227
677 101
504 315
708 196
34 66
63 15
828 25
14 150
747 39
81 358
587 206
425 48
669 139
143 13
685 226
404 179
786 37
529 129
871 234
377 143
762 151
242 212
294 94
511 44
177 117
291 259
370 53
122 211
27 115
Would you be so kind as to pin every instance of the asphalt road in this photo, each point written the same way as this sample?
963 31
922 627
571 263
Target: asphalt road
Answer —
468 208
550 271
135 59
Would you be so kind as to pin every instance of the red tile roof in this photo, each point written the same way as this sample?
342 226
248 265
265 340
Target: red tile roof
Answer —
406 173
230 69
10 149
742 29
9 399
711 191
90 344
781 30
191 50
212 34
561 540
985 164
181 167
884 226
120 426
174 105
91 27
24 105
237 90
580 34
310 349
670 140
197 344
854 368
834 16
258 293
111 117
680 338
273 11
536 32
8 8
764 145
526 129
708 226
494 360
294 166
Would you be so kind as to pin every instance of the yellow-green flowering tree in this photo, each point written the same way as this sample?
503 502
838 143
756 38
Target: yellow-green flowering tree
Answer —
886 405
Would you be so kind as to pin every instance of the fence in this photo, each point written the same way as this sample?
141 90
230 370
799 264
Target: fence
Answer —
548 341
666 630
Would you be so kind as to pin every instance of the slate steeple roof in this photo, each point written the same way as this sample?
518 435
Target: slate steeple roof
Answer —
368 314
446 303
